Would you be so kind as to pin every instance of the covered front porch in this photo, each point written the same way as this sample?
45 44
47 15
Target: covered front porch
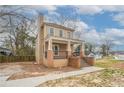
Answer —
58 52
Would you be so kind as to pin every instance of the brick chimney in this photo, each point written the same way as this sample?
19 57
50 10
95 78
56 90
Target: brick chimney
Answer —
39 51
40 20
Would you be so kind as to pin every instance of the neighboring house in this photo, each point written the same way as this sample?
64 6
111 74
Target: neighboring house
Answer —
98 56
91 55
95 55
55 45
119 55
5 51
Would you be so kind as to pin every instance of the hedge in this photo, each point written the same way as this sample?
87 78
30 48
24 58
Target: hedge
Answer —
16 58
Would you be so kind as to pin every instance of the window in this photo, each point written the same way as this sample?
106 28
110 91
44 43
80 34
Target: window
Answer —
51 32
69 34
56 50
61 33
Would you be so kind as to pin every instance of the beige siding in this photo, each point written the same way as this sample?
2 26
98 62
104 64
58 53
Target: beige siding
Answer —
45 31
56 31
65 33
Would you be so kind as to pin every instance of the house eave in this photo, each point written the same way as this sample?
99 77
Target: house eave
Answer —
58 26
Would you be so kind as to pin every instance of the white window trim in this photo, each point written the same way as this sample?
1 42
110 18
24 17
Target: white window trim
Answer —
60 33
49 32
68 35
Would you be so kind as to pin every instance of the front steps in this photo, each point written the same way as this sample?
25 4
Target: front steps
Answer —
83 63
78 62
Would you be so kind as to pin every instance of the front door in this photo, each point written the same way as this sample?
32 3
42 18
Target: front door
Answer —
56 50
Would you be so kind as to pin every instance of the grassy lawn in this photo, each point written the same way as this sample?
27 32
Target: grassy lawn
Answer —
112 76
106 62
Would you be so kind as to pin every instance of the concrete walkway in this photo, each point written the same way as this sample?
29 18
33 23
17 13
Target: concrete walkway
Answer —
35 81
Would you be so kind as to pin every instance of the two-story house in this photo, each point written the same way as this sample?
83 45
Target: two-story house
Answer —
55 45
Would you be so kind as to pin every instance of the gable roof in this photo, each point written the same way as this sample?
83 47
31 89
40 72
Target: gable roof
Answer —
58 26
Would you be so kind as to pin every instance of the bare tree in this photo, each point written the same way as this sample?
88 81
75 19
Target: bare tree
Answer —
90 48
106 46
18 29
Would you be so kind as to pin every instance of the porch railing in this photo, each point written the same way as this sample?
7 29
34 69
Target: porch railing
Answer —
62 54
58 54
76 54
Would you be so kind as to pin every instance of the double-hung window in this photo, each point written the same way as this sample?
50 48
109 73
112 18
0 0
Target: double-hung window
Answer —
69 35
51 31
61 33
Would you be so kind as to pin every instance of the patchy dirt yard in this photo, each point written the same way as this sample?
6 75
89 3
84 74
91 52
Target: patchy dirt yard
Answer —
112 76
21 70
106 78
7 69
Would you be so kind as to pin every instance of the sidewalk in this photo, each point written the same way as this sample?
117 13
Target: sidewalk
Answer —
35 81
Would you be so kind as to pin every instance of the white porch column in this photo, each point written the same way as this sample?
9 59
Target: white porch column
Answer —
69 48
50 44
82 47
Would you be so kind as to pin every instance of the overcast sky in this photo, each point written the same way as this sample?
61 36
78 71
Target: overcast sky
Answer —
96 21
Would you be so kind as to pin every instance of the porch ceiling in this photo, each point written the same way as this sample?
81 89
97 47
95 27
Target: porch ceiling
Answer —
59 41
65 41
